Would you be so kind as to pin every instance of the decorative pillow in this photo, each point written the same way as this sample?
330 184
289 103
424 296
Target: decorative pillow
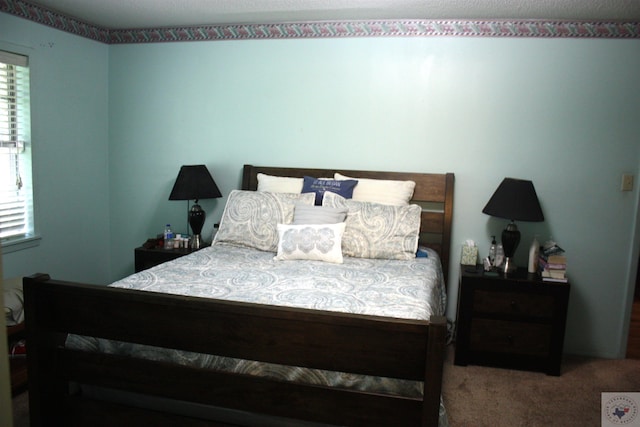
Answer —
317 242
304 214
320 185
250 218
374 230
385 191
422 252
279 184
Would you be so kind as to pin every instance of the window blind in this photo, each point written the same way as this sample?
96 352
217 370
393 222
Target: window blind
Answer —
16 195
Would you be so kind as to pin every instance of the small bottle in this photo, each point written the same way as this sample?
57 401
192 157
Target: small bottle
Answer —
499 255
492 251
534 253
168 237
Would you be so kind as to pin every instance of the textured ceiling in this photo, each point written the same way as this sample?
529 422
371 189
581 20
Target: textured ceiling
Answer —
130 14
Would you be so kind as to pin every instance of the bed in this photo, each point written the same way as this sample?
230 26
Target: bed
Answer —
77 378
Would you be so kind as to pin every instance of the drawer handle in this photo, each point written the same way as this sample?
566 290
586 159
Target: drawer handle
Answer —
510 339
514 305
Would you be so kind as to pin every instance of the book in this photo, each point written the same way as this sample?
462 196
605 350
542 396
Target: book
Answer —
551 248
556 259
554 274
544 264
551 279
552 263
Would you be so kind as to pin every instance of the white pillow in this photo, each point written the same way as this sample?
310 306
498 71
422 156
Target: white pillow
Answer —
385 191
250 218
316 242
374 230
304 214
279 184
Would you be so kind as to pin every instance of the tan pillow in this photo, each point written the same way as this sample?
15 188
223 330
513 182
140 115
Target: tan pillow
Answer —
387 192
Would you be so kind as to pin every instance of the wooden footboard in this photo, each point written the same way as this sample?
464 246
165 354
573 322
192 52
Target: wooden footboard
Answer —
341 342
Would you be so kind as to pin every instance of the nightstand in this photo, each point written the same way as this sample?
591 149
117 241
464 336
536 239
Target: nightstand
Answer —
147 258
510 321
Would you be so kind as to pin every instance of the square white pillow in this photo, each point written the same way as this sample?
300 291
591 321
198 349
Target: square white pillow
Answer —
279 184
250 218
374 230
316 242
385 191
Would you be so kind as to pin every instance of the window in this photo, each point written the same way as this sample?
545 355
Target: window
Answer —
16 194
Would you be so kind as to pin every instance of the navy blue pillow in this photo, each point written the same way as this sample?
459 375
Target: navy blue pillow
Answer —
319 186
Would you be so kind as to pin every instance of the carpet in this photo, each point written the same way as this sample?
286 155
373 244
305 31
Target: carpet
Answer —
482 396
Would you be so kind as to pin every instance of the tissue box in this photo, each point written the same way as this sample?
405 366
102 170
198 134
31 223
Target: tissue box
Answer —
469 255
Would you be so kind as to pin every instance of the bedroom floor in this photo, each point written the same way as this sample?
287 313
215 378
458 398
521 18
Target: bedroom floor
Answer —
482 396
21 410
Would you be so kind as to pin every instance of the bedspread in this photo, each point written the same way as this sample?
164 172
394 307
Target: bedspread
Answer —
411 289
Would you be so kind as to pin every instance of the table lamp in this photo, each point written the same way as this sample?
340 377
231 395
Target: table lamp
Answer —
195 182
515 200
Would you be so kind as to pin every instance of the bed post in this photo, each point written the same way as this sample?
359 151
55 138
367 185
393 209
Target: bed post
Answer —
448 221
433 370
43 389
247 176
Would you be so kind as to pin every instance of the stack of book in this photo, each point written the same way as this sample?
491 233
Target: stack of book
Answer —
552 263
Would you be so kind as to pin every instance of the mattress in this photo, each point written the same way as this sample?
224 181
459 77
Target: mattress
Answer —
412 289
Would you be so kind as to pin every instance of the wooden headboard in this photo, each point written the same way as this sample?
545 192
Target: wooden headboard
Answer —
433 192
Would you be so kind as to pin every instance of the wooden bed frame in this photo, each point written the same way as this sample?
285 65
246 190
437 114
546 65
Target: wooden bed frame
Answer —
369 345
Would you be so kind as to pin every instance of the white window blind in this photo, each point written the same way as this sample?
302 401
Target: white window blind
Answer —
16 194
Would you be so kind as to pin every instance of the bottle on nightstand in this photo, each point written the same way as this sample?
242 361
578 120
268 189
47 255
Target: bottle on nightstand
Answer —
168 237
534 253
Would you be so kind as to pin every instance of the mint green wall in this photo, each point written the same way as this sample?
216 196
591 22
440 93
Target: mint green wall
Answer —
69 120
561 112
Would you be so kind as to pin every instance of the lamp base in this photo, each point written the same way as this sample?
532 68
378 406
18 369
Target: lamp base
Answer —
196 220
510 239
195 242
509 266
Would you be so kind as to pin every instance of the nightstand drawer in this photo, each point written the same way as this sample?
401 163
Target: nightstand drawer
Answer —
500 336
513 303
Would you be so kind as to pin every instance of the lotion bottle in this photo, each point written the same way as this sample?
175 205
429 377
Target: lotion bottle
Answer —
492 251
499 256
534 252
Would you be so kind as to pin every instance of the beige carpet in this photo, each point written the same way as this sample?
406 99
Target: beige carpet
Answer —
478 396
482 396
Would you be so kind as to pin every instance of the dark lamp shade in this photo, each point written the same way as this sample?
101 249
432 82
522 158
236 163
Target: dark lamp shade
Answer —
194 182
516 200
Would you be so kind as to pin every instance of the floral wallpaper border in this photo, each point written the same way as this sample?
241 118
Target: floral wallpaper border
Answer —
327 29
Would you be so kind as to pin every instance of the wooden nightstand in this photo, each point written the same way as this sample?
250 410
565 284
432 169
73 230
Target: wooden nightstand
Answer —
147 258
514 321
